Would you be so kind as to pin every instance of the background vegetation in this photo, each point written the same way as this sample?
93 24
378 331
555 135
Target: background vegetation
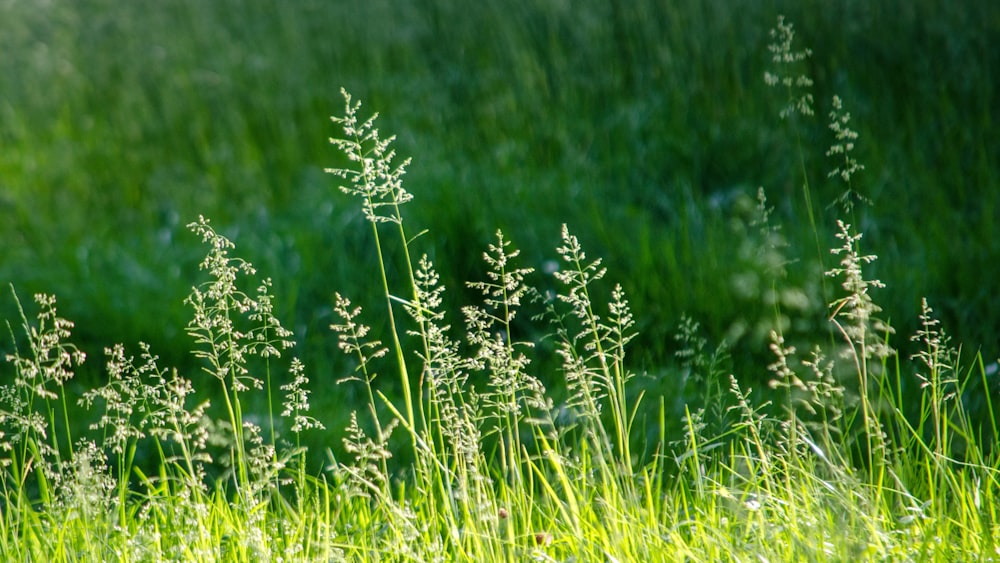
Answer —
646 126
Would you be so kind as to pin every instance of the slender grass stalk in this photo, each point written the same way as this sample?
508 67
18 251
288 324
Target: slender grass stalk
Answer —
379 184
799 102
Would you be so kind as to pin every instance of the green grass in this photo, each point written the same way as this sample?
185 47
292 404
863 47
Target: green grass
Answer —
643 126
838 469
646 130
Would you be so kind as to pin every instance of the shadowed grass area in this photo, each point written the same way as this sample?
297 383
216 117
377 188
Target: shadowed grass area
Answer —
640 124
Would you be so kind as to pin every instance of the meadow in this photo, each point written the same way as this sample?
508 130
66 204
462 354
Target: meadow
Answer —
728 387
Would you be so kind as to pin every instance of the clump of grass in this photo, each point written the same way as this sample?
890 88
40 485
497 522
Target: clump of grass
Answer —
812 467
219 482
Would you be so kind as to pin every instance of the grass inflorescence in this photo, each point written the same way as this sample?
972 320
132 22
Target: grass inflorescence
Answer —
474 458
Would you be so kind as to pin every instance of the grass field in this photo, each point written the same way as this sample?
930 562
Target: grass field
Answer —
647 130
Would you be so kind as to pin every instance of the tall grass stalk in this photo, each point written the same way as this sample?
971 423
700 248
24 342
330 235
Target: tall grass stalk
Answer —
798 103
378 182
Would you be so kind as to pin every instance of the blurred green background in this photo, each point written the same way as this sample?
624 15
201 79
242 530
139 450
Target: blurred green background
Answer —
644 125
